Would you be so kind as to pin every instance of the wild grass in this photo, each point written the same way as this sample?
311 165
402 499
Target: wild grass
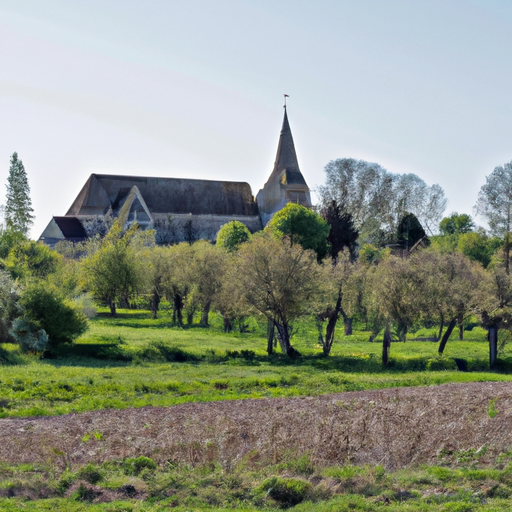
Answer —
134 361
139 484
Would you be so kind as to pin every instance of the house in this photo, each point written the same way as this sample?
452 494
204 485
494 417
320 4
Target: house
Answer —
181 209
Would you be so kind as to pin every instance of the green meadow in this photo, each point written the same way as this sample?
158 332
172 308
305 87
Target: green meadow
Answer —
135 361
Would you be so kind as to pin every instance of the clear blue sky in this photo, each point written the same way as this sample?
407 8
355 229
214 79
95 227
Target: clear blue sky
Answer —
193 88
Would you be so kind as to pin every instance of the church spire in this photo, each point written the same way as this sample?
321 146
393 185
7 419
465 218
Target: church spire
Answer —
286 157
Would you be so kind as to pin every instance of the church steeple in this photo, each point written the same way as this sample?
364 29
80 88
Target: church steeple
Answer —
286 183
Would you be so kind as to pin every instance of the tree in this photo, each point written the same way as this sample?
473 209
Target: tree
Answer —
8 305
206 274
337 275
44 308
377 199
31 259
301 226
18 205
232 234
495 204
342 232
456 224
114 272
281 281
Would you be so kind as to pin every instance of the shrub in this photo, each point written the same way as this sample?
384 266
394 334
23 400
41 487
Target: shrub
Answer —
90 474
134 465
439 364
288 492
45 308
28 336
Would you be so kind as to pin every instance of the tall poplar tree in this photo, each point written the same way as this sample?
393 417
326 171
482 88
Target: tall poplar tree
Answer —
18 205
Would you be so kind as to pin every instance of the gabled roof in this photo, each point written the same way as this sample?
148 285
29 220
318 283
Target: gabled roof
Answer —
165 195
286 166
70 227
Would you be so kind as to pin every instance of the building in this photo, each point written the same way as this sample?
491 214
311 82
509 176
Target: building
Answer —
181 209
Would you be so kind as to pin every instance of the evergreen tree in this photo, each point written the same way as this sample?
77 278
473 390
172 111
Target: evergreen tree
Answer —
18 205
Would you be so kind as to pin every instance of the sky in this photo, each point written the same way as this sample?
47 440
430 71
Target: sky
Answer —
194 89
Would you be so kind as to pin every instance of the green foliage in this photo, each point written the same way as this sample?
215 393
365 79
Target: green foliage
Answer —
45 308
477 246
27 259
134 465
302 226
437 364
288 492
232 234
8 239
456 224
29 336
114 272
18 205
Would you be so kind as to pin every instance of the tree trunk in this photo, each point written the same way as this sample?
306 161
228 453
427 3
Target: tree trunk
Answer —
190 318
283 335
178 309
270 337
112 305
386 343
446 335
331 325
493 346
206 312
155 302
461 327
228 327
348 326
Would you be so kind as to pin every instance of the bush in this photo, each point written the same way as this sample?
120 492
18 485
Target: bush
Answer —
45 308
28 336
134 465
440 364
288 492
90 474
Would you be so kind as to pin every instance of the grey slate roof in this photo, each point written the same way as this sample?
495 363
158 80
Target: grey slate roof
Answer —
165 195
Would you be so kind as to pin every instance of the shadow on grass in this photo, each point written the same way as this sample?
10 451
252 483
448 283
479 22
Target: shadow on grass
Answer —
109 355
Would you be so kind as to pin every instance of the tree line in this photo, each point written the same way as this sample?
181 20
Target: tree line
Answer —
364 254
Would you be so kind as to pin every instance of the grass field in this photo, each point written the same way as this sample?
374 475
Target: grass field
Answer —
134 361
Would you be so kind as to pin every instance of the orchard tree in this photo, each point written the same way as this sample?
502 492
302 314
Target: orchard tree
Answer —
281 281
495 204
18 206
114 272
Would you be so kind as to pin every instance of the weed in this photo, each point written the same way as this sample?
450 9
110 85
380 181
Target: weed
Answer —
492 411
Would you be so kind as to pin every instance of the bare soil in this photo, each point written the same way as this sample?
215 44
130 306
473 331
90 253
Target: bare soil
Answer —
396 427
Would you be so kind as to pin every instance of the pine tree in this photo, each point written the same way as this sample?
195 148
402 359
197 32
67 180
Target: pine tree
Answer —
18 205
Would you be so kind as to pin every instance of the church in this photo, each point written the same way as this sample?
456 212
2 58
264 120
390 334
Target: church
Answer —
181 209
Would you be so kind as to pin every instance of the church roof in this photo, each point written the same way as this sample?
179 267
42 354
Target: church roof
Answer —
286 166
103 192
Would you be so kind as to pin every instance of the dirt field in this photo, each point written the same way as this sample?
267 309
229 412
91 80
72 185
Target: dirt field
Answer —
394 427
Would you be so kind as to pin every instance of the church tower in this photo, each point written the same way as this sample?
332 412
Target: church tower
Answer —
286 183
